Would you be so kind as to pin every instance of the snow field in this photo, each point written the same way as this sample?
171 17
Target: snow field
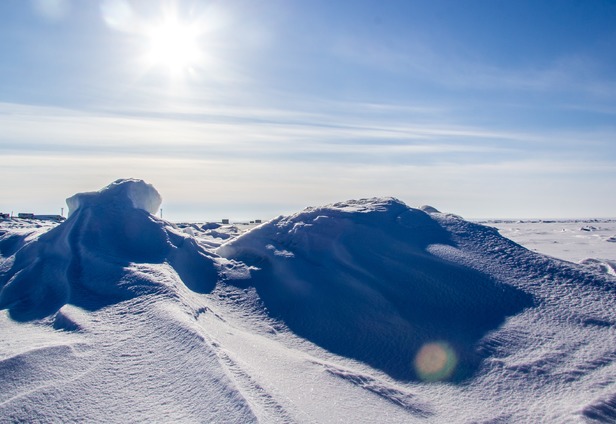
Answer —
360 311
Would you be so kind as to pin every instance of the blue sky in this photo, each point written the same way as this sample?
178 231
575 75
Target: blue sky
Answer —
258 108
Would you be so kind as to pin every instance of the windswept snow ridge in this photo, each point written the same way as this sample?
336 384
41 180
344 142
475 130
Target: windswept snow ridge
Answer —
360 311
357 279
84 260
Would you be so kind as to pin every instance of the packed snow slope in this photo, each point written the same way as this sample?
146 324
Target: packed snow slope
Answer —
361 311
357 278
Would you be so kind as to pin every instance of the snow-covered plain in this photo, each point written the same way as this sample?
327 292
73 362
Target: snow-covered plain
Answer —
360 311
589 241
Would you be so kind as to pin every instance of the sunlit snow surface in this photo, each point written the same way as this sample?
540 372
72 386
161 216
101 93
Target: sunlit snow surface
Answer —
361 311
591 241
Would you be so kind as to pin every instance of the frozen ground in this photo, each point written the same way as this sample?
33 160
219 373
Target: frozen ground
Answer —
590 241
360 311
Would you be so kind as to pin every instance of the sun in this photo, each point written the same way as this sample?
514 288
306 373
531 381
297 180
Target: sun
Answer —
174 45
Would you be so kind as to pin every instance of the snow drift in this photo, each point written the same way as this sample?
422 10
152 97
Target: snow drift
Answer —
357 278
336 313
84 260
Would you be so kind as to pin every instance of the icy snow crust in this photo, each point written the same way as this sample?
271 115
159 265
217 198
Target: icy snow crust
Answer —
349 312
137 193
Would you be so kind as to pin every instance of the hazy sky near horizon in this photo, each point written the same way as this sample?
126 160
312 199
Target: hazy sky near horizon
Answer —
249 109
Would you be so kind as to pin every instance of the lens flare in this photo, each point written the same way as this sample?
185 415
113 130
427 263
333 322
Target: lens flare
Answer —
435 361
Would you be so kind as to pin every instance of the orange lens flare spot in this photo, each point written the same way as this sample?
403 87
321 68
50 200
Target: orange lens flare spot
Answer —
435 361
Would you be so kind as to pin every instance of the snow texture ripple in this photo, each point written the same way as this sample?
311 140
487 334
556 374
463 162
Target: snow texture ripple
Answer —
360 311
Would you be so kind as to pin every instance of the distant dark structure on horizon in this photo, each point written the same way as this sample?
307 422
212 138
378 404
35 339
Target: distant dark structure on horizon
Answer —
29 215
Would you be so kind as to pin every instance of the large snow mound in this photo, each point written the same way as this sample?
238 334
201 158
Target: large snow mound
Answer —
85 260
358 279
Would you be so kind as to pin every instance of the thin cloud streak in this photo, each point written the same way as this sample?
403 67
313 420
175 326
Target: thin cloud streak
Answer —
54 128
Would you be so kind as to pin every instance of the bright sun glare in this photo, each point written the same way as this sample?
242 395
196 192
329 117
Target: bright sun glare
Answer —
174 45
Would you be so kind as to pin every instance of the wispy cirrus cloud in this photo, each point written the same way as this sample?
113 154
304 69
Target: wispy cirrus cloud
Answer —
207 156
258 133
242 133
